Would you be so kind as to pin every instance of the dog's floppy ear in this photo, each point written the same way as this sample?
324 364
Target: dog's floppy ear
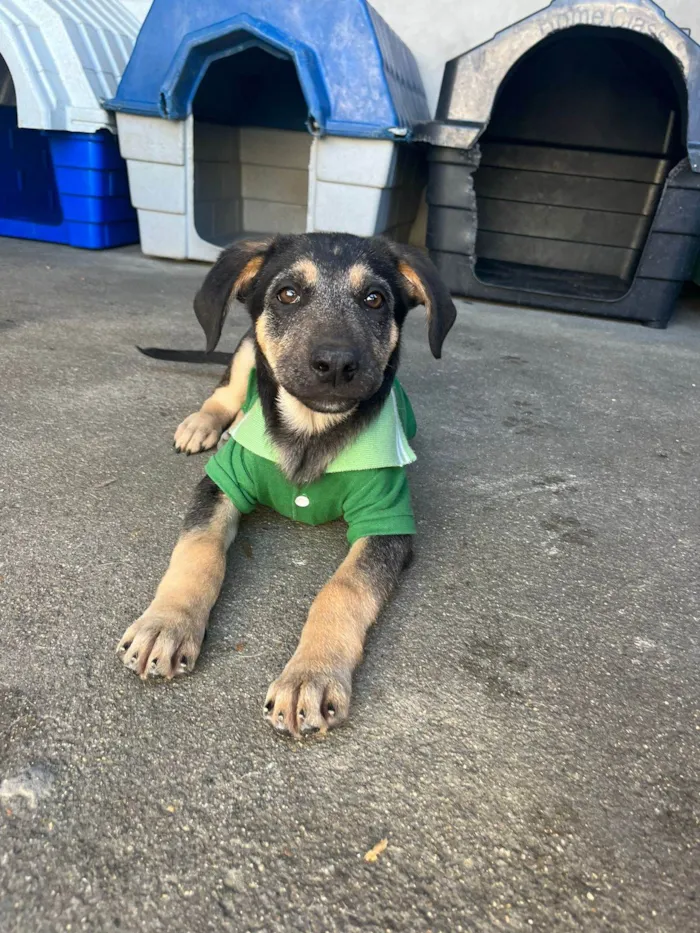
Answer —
423 286
232 276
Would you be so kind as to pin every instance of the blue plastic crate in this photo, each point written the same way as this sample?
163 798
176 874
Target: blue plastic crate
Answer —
63 187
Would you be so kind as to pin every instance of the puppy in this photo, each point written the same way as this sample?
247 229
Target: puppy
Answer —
320 429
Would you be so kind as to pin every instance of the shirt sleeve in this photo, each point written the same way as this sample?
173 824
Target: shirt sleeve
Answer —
379 503
228 469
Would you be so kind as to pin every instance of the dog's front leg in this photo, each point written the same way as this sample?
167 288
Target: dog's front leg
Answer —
313 692
165 641
202 430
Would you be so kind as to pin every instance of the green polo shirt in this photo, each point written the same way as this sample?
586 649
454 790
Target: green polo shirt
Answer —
366 484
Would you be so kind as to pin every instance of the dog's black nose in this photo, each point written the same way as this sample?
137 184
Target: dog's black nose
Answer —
335 365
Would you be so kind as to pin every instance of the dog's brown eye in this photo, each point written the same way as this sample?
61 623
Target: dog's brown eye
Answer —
288 295
374 300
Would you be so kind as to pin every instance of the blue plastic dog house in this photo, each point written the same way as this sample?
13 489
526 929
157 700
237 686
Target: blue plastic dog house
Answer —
259 116
61 176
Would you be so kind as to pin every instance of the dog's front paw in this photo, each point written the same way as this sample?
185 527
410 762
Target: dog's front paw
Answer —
308 698
198 432
161 644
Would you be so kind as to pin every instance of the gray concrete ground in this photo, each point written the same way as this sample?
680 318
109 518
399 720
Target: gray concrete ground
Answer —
525 725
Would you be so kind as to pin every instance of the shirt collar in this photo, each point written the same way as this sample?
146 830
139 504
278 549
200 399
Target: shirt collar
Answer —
383 443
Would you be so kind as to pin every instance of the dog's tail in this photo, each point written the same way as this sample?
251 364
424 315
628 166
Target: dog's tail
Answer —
186 356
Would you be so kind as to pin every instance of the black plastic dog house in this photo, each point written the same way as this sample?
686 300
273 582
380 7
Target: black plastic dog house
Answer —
564 160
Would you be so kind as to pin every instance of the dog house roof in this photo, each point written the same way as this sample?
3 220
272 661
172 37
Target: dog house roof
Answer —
472 80
357 77
64 57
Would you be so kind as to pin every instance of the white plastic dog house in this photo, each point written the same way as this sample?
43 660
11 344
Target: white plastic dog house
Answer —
61 177
267 117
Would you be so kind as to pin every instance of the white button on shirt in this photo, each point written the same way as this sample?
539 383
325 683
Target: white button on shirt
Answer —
301 501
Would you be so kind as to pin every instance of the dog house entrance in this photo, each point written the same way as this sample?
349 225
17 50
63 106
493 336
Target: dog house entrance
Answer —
584 132
251 147
28 192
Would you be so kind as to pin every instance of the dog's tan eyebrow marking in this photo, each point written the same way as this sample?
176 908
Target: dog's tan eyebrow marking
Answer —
358 274
307 269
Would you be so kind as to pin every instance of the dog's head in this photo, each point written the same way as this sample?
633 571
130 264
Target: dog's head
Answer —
327 309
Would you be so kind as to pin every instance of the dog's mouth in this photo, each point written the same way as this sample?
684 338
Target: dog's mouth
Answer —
328 406
329 400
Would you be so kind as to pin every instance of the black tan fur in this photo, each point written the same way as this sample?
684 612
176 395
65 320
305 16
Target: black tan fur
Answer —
326 313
